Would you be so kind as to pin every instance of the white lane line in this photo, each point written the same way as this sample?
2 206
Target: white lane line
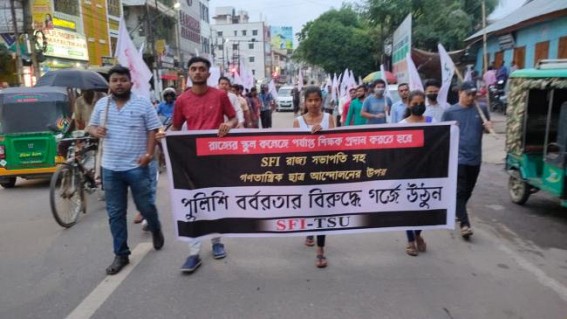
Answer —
99 295
541 276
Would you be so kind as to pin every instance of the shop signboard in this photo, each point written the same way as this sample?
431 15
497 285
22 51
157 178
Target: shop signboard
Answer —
66 45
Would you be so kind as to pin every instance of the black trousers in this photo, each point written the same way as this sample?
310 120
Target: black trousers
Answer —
466 180
266 118
320 240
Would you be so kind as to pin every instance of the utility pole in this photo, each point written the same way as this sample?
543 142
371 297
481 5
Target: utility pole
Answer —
19 65
30 37
151 41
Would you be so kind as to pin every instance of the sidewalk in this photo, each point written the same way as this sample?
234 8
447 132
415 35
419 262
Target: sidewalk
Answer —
493 149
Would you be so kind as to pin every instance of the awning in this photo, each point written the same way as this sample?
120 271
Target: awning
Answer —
169 77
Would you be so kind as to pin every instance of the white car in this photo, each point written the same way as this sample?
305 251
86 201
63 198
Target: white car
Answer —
285 99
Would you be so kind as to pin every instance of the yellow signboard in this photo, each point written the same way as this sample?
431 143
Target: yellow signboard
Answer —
160 47
42 14
64 24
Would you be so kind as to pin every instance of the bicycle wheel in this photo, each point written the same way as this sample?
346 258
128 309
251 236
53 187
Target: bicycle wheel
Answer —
66 195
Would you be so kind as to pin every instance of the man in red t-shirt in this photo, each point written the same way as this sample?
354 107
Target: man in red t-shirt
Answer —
203 108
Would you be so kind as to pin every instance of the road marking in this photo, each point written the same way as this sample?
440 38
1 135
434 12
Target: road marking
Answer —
540 275
99 295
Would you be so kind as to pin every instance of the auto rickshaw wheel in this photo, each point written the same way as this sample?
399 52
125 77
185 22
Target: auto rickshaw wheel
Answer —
518 189
9 182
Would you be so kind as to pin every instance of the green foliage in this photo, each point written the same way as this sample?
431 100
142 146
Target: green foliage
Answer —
355 37
337 40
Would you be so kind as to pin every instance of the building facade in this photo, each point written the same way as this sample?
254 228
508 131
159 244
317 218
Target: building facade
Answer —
535 31
237 39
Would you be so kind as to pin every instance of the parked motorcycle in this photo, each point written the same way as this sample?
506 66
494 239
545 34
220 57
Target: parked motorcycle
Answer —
497 96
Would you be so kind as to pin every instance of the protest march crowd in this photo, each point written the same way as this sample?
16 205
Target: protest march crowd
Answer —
130 129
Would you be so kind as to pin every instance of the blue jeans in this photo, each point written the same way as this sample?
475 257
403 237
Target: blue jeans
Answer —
116 185
153 179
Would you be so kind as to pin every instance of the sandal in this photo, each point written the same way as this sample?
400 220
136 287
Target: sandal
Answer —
411 250
421 245
309 241
321 261
138 219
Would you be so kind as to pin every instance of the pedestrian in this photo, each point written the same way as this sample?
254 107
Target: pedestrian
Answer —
489 77
203 108
315 120
352 95
268 106
237 90
354 117
84 106
471 128
502 72
434 108
376 106
415 114
399 108
225 85
127 124
296 99
255 105
165 108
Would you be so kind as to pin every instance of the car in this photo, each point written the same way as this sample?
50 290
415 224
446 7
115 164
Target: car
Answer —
285 99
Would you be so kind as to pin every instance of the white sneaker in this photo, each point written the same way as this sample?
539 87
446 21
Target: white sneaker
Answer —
145 226
466 232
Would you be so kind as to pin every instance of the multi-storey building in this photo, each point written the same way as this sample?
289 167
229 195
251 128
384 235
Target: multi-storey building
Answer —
237 39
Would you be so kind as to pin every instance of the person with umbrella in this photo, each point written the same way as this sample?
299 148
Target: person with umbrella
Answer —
84 106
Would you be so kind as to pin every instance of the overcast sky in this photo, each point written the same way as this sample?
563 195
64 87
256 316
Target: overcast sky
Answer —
297 12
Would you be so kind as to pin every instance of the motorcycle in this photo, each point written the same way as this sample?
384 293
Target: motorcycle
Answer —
497 96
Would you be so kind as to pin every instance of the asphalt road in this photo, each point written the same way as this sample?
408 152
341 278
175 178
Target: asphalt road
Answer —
515 266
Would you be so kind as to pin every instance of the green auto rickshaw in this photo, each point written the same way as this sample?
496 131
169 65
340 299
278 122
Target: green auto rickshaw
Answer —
536 131
31 121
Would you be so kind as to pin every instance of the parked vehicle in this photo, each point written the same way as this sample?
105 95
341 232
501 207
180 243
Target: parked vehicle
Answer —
285 99
536 131
30 120
497 97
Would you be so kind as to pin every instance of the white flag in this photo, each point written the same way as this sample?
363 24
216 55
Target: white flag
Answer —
414 79
300 81
214 76
127 55
447 72
383 76
468 74
237 79
334 87
272 89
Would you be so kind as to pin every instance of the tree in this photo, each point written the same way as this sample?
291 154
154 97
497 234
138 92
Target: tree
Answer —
337 40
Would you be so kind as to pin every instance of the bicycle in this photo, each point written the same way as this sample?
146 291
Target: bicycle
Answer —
73 179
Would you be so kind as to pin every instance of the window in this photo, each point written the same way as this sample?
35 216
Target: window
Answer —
562 50
219 33
235 46
251 59
253 72
221 47
254 32
235 33
67 6
114 7
243 33
541 51
251 46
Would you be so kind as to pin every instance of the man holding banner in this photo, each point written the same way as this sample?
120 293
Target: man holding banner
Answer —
203 108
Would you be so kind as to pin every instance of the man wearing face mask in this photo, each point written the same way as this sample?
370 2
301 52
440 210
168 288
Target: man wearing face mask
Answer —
434 108
376 106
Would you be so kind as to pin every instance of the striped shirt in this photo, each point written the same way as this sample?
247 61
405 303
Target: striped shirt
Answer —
126 131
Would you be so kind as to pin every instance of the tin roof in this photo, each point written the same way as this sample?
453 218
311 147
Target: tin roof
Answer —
530 10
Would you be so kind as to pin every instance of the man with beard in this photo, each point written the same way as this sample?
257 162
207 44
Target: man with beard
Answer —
399 108
127 125
434 108
203 108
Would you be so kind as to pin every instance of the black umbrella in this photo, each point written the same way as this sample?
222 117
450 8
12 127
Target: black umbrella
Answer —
73 78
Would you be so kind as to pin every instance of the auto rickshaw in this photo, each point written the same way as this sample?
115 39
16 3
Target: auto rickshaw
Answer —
536 131
31 120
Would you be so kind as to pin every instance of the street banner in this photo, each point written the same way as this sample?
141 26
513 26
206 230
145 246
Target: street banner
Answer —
258 183
401 46
447 72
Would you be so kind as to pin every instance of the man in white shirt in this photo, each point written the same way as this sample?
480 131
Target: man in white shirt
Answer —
224 84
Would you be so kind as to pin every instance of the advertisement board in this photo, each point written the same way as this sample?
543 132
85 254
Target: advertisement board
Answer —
401 46
66 44
282 37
